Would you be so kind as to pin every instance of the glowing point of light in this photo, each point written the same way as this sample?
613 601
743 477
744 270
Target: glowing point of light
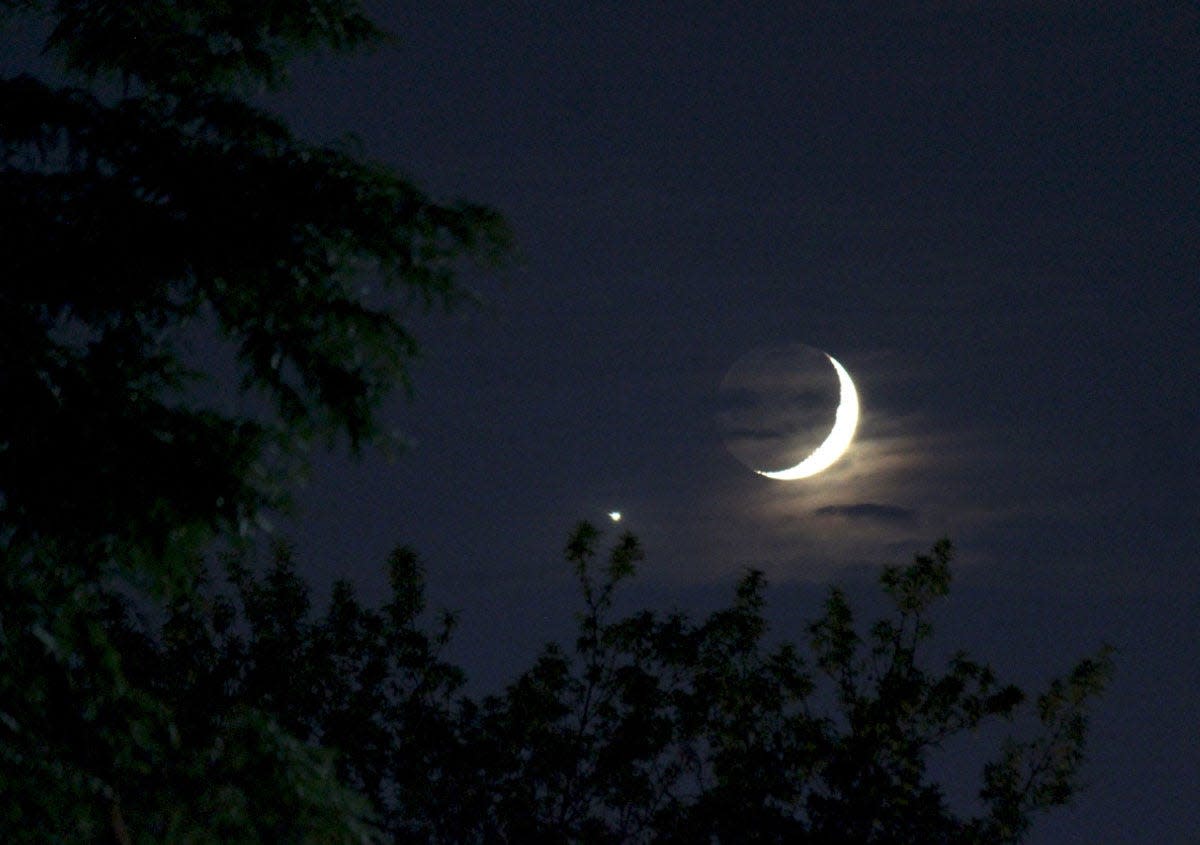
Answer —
844 424
615 516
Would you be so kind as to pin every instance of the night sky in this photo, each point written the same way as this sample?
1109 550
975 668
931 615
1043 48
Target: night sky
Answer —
986 211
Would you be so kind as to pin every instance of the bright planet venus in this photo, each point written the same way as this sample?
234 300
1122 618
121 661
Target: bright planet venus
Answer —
788 412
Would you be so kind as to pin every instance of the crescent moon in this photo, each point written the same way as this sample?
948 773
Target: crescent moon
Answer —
844 424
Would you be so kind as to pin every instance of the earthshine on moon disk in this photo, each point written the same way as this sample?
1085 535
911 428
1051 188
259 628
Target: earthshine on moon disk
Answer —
844 424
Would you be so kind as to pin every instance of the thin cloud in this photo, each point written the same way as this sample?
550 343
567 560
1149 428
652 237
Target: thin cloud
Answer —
871 511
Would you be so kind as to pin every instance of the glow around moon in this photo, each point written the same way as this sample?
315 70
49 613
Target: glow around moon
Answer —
839 439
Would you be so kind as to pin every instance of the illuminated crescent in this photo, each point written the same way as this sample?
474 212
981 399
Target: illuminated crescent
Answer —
844 423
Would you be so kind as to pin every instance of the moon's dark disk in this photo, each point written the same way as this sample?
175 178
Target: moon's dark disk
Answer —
776 405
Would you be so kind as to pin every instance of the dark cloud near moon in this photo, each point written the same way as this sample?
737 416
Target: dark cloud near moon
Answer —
759 434
870 511
788 398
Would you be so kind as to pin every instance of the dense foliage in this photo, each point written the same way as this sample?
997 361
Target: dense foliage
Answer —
147 203
653 728
158 201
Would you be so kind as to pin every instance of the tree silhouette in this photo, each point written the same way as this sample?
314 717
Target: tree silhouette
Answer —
653 728
145 199
158 197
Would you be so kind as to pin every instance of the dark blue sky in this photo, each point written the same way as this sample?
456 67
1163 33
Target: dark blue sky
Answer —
985 210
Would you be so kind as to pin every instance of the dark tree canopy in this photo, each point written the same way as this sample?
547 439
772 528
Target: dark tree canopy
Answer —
150 194
146 199
652 728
